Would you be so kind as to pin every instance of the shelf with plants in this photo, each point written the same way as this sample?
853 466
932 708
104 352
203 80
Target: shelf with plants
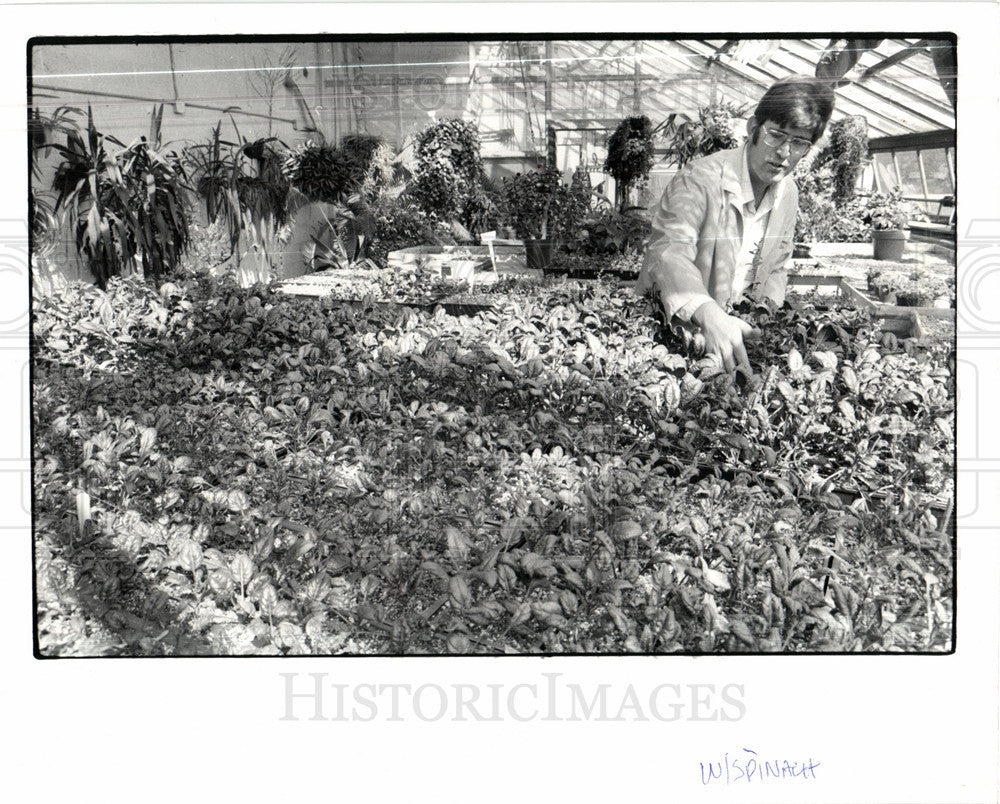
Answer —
937 323
913 284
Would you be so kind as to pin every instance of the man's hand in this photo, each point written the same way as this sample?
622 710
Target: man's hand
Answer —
724 335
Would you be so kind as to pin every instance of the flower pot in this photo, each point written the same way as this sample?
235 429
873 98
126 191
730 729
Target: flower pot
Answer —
888 244
539 252
801 251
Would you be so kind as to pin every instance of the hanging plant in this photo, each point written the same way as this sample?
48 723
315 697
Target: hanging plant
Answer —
828 209
321 173
849 153
718 128
630 155
371 163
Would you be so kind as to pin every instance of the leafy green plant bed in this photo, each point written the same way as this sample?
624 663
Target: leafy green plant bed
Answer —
223 471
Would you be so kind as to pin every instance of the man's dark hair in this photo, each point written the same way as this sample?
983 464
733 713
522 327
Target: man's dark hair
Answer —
797 102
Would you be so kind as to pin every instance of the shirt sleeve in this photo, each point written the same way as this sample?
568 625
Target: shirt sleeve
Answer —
669 267
689 307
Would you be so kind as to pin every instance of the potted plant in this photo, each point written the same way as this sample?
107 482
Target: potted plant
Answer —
124 204
542 211
887 214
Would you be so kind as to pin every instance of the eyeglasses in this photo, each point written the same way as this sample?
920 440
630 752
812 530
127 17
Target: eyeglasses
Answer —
775 139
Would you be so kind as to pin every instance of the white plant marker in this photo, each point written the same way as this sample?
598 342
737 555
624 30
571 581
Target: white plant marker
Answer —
488 238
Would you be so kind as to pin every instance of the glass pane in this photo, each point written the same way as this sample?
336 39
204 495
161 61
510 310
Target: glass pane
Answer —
886 172
937 173
909 173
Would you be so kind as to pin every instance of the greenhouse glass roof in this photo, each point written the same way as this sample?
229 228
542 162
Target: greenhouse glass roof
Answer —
893 82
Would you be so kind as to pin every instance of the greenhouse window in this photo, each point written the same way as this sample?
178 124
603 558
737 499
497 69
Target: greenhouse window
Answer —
923 167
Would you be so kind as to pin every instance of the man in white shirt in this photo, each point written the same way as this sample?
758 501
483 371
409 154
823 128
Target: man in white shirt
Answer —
724 226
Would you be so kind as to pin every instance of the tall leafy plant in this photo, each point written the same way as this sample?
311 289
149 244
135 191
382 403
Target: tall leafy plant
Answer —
242 184
125 206
630 155
450 182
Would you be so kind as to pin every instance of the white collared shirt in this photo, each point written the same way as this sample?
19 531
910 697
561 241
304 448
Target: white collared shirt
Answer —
753 223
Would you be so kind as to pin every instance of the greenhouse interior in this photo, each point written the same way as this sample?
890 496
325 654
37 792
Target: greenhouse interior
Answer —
410 346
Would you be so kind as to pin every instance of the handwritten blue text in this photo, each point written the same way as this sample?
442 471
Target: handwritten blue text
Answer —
747 767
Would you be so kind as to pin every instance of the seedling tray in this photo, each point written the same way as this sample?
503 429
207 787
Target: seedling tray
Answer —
348 287
440 257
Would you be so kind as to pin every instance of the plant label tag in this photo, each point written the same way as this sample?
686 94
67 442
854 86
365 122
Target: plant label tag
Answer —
488 238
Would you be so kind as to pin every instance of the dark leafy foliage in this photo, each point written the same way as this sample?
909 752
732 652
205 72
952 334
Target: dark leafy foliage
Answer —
606 231
450 183
324 173
360 165
716 129
372 161
43 130
400 223
539 205
235 471
630 155
125 204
